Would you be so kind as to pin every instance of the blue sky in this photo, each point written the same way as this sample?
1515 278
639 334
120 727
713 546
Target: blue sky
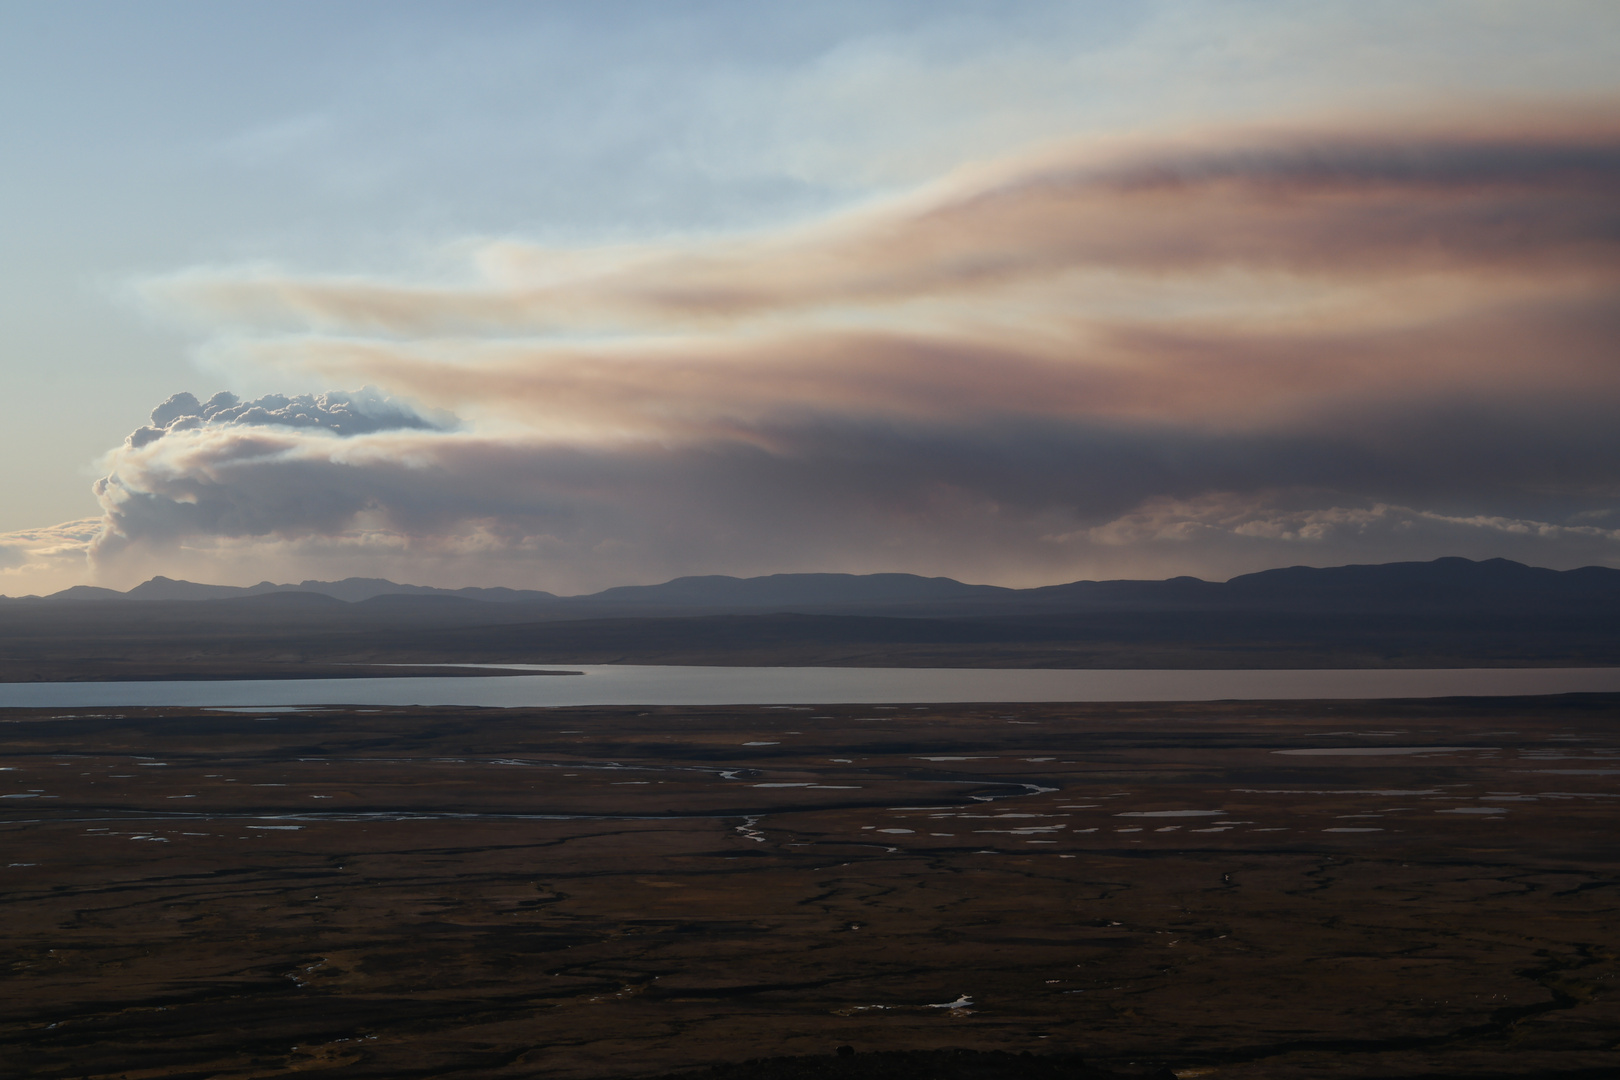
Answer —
164 155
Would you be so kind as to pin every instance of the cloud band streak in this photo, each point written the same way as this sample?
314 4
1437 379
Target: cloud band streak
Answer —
1510 202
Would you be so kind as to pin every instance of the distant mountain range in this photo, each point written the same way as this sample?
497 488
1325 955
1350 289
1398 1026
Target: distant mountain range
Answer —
1448 584
1445 613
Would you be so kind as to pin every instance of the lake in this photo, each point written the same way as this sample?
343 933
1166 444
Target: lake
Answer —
629 684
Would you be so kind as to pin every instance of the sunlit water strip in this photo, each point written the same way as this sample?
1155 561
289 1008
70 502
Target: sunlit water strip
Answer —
627 684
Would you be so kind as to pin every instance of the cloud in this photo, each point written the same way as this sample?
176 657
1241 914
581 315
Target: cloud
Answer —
1245 347
1281 517
274 465
1024 503
45 560
1235 280
362 411
1465 198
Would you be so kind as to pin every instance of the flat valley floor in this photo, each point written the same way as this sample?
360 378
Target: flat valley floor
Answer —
1258 890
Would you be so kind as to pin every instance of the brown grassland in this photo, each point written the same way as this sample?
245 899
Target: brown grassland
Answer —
618 892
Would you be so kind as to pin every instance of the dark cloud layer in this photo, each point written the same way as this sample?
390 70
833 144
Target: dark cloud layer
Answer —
1039 495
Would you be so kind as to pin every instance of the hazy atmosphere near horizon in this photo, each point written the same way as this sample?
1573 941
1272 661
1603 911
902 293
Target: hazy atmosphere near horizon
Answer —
578 294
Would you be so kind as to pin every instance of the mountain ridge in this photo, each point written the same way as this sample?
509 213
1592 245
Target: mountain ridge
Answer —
1449 583
1444 613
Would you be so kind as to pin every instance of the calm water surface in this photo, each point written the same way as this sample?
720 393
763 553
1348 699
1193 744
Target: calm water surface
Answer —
647 685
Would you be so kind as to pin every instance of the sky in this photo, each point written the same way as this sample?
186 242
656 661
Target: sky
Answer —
586 293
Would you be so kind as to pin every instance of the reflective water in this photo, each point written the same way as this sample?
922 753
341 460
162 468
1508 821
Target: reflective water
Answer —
647 685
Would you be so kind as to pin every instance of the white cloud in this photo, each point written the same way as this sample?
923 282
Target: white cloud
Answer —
40 561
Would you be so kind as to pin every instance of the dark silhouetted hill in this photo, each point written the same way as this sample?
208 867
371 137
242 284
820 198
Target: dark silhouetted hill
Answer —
1444 584
1446 613
786 591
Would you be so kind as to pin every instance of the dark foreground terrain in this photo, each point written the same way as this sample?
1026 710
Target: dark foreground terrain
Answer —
1397 889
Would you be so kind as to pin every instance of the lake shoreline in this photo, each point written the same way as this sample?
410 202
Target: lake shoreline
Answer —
214 671
104 671
609 685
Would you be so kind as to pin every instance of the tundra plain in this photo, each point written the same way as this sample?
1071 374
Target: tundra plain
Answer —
1281 889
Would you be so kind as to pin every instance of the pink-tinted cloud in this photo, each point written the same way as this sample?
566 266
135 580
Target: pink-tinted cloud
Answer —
1531 195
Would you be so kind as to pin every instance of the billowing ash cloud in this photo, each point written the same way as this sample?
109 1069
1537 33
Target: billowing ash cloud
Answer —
1240 351
355 413
277 465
